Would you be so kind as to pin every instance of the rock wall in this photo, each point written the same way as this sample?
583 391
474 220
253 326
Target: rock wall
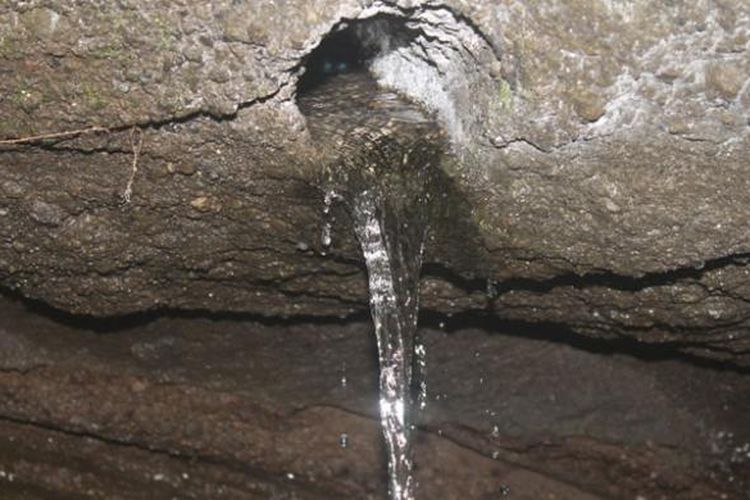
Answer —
599 156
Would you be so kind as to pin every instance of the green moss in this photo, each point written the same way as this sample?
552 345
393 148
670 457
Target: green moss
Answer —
505 93
110 51
5 47
91 97
15 126
17 98
166 34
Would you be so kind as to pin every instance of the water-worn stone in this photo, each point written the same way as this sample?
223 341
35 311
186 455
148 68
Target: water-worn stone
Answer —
203 407
600 157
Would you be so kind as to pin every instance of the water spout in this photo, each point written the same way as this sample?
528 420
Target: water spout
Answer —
384 154
394 315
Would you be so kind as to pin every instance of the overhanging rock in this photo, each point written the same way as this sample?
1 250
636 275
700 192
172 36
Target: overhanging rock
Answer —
599 155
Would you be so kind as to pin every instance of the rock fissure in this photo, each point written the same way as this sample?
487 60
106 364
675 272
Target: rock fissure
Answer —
692 274
43 141
27 370
76 433
185 456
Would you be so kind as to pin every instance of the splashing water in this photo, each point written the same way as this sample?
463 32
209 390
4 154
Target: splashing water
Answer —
420 364
344 380
328 201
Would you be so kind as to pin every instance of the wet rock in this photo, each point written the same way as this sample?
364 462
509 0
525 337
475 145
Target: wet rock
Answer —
599 165
726 79
46 213
41 22
589 107
208 406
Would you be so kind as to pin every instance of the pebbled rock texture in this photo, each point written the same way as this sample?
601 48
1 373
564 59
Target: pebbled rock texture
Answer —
599 174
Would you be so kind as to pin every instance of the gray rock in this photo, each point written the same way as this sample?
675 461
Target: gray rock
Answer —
599 175
46 213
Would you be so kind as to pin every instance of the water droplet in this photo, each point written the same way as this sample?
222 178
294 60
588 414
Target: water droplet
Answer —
504 490
491 289
290 476
330 198
325 237
495 454
344 440
343 380
420 353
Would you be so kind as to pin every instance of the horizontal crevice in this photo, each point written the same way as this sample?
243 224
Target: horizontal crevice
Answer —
120 323
480 319
50 143
602 279
104 439
23 371
192 459
560 333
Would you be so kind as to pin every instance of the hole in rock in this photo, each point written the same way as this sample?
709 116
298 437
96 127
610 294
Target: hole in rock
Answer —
351 47
430 55
384 168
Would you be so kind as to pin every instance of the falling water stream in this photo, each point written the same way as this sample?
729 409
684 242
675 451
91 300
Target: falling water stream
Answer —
383 170
392 241
393 270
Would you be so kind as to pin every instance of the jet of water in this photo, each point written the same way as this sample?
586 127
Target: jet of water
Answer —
393 305
381 154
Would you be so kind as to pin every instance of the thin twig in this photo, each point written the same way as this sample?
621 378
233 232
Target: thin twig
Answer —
136 143
57 135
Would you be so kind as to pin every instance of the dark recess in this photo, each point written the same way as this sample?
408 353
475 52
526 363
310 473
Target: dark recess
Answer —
486 321
350 46
341 51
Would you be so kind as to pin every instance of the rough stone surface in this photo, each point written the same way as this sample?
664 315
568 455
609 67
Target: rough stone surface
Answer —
600 153
205 407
